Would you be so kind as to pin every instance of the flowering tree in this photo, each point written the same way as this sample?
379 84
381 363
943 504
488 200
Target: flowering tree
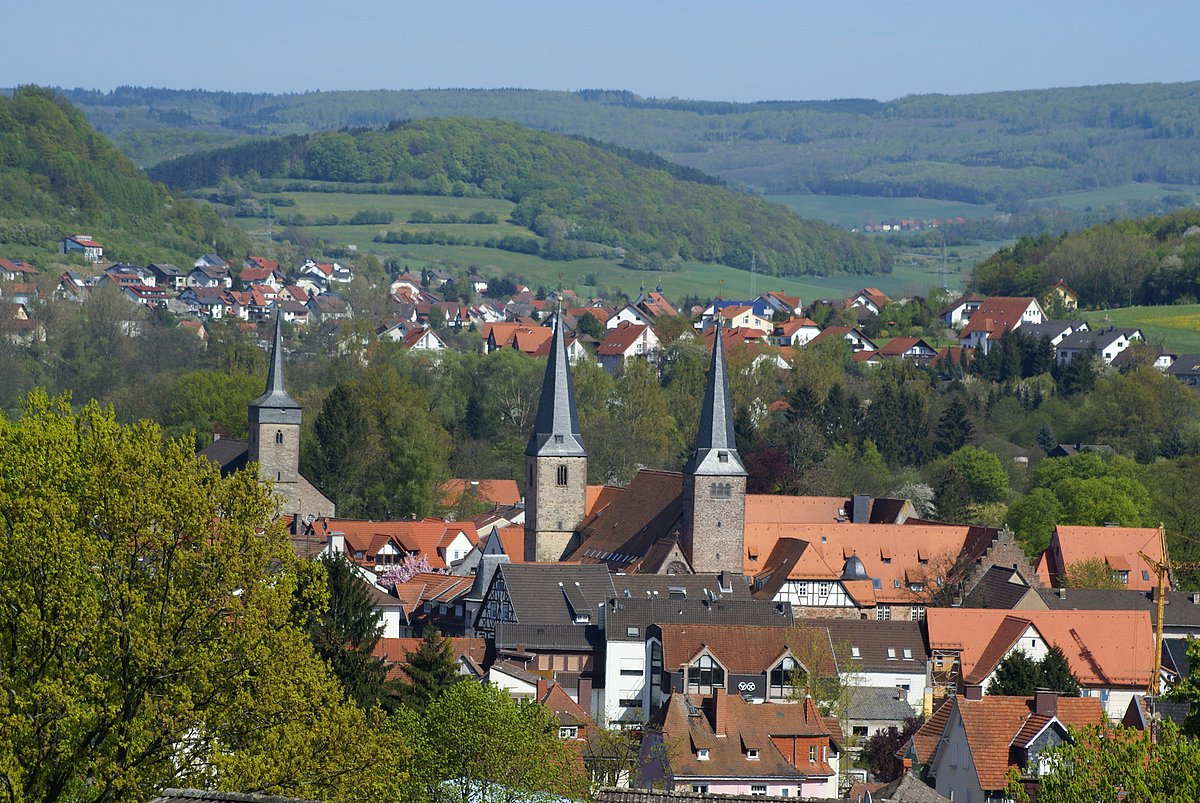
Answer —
407 569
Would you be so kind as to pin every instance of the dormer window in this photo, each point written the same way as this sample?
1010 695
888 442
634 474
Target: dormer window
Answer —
722 457
702 754
752 755
559 439
783 676
705 675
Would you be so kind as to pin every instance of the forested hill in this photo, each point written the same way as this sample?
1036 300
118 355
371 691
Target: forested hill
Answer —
58 177
1154 260
1000 147
566 189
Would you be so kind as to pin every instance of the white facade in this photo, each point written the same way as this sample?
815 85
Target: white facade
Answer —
627 314
953 766
625 662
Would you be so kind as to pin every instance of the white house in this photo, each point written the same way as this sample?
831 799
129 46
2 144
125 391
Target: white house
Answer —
628 314
997 315
83 244
794 332
627 342
1108 343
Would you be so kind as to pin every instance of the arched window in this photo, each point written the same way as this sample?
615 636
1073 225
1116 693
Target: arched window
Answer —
705 675
279 436
562 476
783 675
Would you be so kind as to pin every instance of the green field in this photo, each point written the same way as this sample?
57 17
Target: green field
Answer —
1176 327
855 211
1114 196
914 272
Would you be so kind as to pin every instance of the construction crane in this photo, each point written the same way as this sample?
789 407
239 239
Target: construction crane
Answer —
1161 568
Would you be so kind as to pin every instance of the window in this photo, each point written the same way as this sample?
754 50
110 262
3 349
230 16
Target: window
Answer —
705 675
529 482
722 457
1123 577
812 754
907 654
279 436
702 754
631 632
887 562
700 788
632 667
562 476
859 731
895 584
802 589
630 702
854 653
916 613
1145 574
559 438
823 589
720 490
758 790
891 653
876 583
883 612
781 678
752 755
568 732
916 586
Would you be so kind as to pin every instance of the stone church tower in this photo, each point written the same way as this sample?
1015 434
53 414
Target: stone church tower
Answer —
555 463
275 442
714 481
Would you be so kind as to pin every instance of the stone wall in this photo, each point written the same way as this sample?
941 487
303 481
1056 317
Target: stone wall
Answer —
552 511
278 462
714 521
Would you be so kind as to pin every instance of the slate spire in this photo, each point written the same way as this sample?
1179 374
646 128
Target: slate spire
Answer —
716 448
556 429
276 398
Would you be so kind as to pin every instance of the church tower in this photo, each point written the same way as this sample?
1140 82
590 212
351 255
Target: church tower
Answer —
555 463
714 481
275 430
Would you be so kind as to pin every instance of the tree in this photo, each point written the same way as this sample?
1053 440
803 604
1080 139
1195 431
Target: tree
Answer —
1091 573
154 638
1122 764
428 671
882 748
1033 518
345 633
476 744
954 428
589 325
985 478
1020 676
1046 440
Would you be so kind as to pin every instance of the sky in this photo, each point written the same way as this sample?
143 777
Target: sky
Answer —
743 51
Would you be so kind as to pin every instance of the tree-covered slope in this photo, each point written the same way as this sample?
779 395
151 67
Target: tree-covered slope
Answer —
59 177
1154 260
997 147
566 189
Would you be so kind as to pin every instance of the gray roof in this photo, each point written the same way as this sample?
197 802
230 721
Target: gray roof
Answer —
623 614
1178 611
556 429
556 593
180 795
227 454
540 637
908 789
275 406
876 703
622 795
1000 587
1185 365
1050 329
716 449
1098 339
874 639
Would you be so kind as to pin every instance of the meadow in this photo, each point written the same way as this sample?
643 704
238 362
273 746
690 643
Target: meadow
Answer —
1176 327
855 211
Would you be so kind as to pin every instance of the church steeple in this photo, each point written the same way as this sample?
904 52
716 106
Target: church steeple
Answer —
714 481
556 428
716 448
275 423
275 405
555 462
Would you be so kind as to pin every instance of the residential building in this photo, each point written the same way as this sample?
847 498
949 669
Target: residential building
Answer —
959 311
626 342
997 315
83 244
1119 549
869 298
911 349
1065 295
857 340
12 270
794 332
1106 343
210 276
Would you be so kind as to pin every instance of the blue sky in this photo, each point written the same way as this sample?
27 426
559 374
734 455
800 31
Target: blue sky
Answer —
699 49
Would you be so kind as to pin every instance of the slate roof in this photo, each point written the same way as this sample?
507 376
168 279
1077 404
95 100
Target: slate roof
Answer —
623 614
1099 339
276 397
877 641
227 454
876 703
556 593
1179 609
1051 329
716 449
1185 365
907 789
556 428
1000 587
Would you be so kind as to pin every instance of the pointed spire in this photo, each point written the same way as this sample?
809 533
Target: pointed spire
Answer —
276 396
716 448
556 429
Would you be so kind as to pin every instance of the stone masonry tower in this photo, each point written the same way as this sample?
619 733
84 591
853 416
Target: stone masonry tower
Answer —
275 431
714 481
555 463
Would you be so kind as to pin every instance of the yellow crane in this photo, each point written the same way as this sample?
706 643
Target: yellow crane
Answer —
1161 569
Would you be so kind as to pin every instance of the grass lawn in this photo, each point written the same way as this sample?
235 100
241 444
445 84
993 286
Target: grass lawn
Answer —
345 204
1176 327
1112 196
855 211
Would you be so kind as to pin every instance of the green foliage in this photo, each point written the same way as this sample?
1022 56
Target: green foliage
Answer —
1033 518
1018 675
475 744
152 637
954 427
981 471
428 671
569 191
56 172
1123 765
1091 573
344 633
1187 689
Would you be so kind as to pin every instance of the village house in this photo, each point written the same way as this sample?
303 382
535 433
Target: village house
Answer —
167 276
328 307
470 655
630 313
794 332
1106 343
780 304
1119 549
976 741
959 311
1110 652
83 244
260 270
377 545
911 349
207 302
12 270
210 276
997 315
870 299
1065 295
730 746
72 287
627 342
857 340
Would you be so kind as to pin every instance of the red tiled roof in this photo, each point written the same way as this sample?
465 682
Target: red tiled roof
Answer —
1116 546
741 649
500 493
620 340
996 315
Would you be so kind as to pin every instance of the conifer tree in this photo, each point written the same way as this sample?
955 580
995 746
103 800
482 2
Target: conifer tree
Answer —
1046 439
1056 674
954 428
1017 675
429 670
344 635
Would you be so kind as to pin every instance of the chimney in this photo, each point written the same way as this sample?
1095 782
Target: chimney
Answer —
1062 593
543 688
1045 702
720 711
974 691
584 694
